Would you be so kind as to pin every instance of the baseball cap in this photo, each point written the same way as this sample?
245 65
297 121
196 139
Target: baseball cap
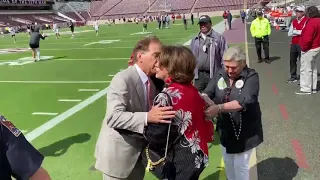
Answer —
204 19
300 9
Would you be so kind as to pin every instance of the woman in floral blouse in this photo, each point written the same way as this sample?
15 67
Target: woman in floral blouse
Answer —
190 130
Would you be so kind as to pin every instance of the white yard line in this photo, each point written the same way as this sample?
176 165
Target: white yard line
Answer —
88 90
45 113
57 82
63 116
23 131
69 100
84 59
111 75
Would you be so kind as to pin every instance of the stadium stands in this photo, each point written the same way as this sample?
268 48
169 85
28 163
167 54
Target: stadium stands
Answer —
114 9
107 9
130 7
310 3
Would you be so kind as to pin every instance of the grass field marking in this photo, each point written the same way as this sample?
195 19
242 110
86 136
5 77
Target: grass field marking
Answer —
88 59
141 33
115 42
23 131
57 82
45 113
63 116
69 100
67 59
102 42
88 90
127 36
68 32
111 75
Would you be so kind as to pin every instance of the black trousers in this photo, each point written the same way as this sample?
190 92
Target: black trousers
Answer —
295 54
265 44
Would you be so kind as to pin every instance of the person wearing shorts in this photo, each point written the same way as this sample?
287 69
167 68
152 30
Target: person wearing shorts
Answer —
13 34
72 29
96 27
34 43
145 24
56 30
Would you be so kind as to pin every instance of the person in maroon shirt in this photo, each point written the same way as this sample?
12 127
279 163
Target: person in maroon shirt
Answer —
295 50
310 52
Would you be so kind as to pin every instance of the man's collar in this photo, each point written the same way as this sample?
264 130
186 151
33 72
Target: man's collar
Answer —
299 20
209 34
144 78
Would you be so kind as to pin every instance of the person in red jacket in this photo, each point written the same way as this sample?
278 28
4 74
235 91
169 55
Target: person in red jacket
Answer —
295 50
310 52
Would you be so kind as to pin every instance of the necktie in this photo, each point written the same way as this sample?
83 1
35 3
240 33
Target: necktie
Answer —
149 98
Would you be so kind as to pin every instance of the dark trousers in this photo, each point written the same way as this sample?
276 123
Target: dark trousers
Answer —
295 54
202 81
243 18
265 44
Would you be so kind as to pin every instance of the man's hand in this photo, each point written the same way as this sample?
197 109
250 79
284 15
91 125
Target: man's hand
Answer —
160 114
212 111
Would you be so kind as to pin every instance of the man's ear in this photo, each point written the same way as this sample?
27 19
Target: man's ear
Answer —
139 55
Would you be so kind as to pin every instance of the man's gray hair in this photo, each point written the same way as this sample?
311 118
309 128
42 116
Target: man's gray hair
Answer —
234 54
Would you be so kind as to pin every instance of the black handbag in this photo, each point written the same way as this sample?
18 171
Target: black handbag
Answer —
159 164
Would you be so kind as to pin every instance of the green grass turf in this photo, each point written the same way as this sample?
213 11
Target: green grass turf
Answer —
69 146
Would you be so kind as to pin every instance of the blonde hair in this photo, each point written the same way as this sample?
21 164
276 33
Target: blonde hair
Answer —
235 54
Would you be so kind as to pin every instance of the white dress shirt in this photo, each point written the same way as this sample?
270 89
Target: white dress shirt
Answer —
144 78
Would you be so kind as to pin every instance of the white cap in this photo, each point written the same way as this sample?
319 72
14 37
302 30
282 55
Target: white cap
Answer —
300 8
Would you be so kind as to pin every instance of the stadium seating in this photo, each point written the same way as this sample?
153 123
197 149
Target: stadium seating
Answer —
99 8
108 9
310 3
24 19
181 6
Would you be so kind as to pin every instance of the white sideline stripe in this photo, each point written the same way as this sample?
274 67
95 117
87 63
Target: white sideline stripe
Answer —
111 75
63 116
57 82
88 59
88 90
69 100
45 113
23 131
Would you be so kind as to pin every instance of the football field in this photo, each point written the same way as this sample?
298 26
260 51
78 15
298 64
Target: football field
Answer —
59 103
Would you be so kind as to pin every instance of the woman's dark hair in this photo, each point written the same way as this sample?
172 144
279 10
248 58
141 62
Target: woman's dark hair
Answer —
180 63
312 12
